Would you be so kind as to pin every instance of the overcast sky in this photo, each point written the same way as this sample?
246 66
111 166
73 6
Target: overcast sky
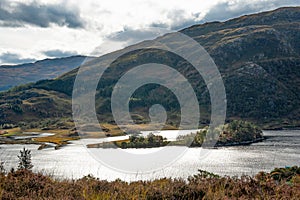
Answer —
36 29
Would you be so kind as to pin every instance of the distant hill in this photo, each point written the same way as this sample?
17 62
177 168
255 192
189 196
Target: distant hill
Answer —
13 75
258 56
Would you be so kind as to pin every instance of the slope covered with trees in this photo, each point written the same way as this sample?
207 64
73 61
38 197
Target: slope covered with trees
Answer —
258 57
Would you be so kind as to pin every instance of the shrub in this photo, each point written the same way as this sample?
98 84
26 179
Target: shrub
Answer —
25 159
24 184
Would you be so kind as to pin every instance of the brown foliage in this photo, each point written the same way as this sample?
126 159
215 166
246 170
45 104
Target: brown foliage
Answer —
24 184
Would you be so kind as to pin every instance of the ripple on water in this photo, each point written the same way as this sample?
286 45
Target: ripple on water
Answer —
74 161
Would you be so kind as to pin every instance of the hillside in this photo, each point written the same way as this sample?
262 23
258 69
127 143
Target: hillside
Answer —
13 75
258 56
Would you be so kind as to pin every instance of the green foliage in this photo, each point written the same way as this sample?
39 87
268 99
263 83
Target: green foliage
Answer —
235 132
17 109
7 126
150 141
2 169
238 131
203 175
50 123
25 160
21 87
286 173
192 139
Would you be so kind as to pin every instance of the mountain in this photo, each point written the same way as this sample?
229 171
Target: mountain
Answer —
13 75
258 57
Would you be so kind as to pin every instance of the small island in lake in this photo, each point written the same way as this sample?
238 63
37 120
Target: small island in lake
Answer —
234 133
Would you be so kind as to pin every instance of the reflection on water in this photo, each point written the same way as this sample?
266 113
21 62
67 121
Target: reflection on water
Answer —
280 149
29 135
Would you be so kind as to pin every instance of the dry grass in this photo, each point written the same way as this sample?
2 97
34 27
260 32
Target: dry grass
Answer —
114 130
56 131
27 185
148 127
12 131
59 140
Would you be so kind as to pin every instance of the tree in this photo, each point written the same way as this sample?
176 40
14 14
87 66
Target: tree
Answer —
2 169
151 138
25 159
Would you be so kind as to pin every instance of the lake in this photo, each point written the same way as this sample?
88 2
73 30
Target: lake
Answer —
280 149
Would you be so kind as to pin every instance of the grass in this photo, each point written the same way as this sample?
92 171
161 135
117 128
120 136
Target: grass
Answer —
56 131
24 184
60 138
55 139
119 142
114 130
12 131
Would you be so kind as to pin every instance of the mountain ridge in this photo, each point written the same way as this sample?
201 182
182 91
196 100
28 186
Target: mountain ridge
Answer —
13 75
259 63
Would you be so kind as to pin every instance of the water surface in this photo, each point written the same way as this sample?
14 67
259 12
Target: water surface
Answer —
280 149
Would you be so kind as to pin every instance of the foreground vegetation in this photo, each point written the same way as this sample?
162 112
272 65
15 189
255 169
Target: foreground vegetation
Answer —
279 184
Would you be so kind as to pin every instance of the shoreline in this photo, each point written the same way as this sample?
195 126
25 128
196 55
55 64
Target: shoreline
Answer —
9 140
244 143
108 145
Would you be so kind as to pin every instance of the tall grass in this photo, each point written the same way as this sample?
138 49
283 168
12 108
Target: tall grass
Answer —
279 184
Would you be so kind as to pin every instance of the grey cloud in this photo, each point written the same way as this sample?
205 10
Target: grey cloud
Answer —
56 53
132 36
224 11
19 14
159 25
13 58
128 37
184 23
221 12
180 19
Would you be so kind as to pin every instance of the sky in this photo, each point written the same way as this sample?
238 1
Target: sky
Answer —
32 30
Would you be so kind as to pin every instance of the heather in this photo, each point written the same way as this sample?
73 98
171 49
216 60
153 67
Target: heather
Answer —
282 183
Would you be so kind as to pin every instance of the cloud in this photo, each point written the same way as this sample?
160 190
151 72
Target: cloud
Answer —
56 53
17 14
231 9
13 58
181 19
221 11
108 46
176 19
114 22
128 36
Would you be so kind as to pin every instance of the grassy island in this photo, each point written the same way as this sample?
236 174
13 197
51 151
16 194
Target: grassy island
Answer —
136 141
233 133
